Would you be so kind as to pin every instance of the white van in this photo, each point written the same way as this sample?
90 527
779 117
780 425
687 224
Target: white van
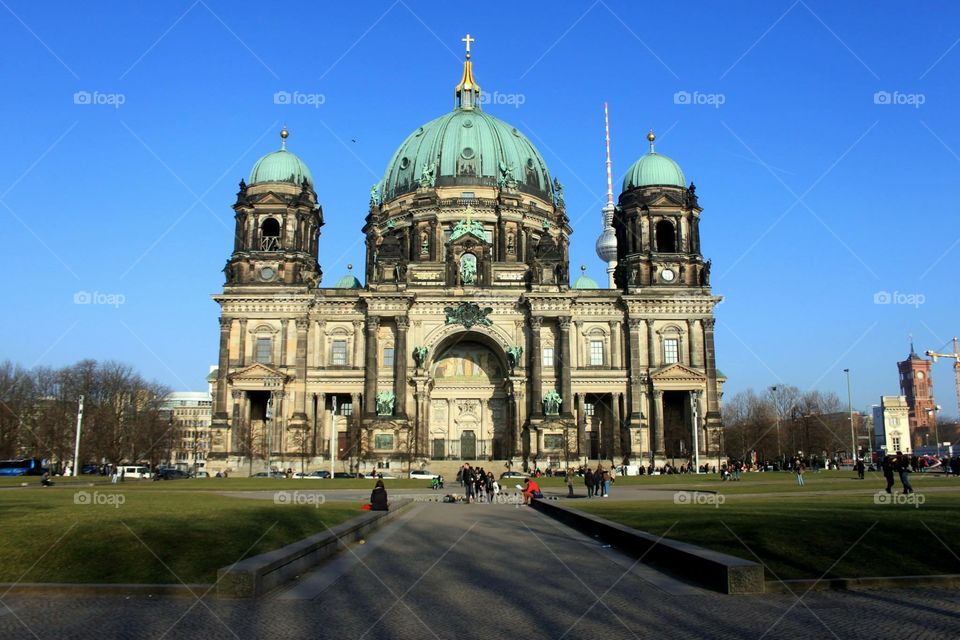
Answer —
135 472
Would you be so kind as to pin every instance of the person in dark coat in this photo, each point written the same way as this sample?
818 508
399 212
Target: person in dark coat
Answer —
588 480
887 466
378 497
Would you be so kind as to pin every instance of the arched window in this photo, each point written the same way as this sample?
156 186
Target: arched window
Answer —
270 235
666 237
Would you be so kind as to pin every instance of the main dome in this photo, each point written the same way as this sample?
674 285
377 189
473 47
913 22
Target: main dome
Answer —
466 147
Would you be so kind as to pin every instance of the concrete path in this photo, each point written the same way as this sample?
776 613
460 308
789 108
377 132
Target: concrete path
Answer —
491 572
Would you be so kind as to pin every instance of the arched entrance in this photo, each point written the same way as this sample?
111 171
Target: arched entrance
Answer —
468 413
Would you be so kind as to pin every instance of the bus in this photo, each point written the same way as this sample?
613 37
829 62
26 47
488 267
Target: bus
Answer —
24 467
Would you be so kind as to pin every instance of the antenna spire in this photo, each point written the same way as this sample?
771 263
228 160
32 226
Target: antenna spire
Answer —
606 127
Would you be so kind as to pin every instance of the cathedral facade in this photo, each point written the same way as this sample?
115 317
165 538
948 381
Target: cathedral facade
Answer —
466 340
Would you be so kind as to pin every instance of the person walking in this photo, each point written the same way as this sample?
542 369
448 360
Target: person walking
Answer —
887 465
569 482
467 478
800 469
588 481
605 480
903 467
860 468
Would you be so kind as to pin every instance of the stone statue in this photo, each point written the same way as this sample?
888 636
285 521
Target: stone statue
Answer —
468 272
511 243
419 356
424 243
705 273
385 401
375 195
427 175
551 403
558 193
506 175
400 271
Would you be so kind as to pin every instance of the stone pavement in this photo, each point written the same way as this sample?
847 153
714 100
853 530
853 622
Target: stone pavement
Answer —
491 572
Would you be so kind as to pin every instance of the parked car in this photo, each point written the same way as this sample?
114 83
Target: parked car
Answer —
381 475
170 474
423 474
201 474
343 474
313 475
135 472
271 474
514 474
89 469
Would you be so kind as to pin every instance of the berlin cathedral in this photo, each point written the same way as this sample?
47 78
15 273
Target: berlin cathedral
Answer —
466 341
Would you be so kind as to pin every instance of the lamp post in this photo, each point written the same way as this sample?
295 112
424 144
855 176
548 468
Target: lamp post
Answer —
76 447
695 397
853 438
333 437
776 408
931 415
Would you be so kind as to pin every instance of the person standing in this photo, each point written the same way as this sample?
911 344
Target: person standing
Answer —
800 469
569 482
466 476
903 467
860 468
886 465
588 481
605 480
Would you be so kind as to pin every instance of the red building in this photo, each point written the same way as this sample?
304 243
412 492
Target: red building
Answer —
917 385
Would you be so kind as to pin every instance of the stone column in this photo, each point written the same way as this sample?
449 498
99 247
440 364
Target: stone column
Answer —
615 361
283 342
321 343
566 366
638 364
242 355
223 365
300 363
352 428
501 240
657 425
617 428
400 368
536 368
581 424
370 367
695 343
710 365
357 341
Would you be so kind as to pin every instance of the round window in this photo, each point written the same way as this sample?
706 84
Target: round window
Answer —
467 153
267 273
467 123
404 162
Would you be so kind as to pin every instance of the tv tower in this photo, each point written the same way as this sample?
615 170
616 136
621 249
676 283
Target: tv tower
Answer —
607 242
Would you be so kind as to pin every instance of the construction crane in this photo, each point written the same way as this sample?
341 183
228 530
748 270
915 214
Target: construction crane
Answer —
955 356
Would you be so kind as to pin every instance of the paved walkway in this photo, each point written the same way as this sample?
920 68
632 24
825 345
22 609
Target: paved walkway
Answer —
491 572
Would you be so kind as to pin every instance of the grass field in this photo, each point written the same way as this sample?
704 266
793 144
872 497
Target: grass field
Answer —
821 530
132 534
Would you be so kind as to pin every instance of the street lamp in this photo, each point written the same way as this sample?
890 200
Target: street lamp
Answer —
931 415
776 408
333 438
853 438
695 396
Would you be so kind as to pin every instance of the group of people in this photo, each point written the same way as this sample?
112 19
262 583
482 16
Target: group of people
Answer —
479 485
899 464
597 482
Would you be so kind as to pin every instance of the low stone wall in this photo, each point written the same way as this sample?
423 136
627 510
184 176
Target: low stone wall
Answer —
259 574
711 569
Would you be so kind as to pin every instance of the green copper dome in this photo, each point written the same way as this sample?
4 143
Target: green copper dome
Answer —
280 166
585 282
466 148
348 281
654 170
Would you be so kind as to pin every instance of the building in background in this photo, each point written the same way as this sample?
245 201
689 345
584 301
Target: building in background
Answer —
916 385
891 424
190 414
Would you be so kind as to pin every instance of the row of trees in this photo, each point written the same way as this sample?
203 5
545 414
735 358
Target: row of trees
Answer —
123 418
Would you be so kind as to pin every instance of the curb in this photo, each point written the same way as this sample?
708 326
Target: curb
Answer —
90 589
795 587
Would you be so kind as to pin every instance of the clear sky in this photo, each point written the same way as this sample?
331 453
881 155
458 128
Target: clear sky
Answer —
818 191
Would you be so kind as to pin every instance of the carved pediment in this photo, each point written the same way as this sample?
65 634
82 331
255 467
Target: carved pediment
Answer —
259 375
677 373
269 198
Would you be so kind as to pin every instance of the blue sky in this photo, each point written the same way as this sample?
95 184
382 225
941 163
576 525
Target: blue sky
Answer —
818 191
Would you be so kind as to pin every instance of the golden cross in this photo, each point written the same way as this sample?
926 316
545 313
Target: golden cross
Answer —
468 40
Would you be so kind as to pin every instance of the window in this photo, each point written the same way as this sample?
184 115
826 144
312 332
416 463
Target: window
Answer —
596 353
666 237
548 356
338 355
896 443
553 441
468 195
270 235
588 409
383 441
346 409
387 356
263 350
671 350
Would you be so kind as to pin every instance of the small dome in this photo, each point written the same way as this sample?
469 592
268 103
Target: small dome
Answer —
280 166
607 245
585 281
348 281
654 170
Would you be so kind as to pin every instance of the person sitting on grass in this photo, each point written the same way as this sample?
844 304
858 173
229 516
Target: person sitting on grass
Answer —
378 497
531 490
46 479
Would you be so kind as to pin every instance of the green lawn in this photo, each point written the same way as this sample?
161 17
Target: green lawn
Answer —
806 536
48 537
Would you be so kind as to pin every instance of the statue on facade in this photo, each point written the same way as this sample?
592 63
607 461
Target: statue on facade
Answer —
551 403
705 273
375 195
514 356
506 178
419 356
427 175
558 194
424 243
385 401
468 272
